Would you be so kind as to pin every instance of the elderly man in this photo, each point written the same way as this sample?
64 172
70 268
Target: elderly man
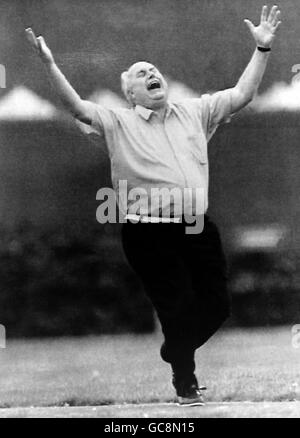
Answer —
163 145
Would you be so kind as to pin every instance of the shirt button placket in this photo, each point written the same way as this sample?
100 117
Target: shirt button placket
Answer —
169 138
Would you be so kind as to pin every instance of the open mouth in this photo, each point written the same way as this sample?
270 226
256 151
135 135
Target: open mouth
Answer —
153 85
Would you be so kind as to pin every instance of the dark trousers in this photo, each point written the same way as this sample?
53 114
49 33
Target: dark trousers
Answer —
184 276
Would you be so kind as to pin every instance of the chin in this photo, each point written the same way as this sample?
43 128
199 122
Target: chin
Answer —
159 98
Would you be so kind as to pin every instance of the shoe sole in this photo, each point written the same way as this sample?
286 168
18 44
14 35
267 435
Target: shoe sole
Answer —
191 404
184 401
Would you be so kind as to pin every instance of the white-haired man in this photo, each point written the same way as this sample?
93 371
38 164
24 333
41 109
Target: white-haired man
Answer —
161 145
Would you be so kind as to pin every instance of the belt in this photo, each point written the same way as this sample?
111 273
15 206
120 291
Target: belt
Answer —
152 219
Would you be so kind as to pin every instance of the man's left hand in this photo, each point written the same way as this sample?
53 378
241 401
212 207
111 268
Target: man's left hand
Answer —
264 33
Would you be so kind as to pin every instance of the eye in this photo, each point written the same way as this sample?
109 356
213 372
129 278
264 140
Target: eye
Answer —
141 73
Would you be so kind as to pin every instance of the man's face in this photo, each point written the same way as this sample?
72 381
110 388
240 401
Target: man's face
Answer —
147 86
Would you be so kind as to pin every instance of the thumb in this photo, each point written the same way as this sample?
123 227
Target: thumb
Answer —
250 25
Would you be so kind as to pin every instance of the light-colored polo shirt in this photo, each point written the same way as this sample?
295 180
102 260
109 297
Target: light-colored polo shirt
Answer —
149 153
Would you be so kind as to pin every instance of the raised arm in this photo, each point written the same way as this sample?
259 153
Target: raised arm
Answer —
73 103
263 34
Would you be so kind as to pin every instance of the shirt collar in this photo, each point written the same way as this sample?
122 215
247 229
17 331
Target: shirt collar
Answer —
146 112
143 112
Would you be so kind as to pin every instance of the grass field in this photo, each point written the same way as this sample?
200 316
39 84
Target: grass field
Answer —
236 365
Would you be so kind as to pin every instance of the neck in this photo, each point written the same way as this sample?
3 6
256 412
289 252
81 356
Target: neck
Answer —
161 111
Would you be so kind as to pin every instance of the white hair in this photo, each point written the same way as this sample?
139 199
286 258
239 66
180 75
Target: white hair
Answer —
125 85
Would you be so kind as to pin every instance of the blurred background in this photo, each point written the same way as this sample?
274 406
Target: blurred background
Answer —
62 273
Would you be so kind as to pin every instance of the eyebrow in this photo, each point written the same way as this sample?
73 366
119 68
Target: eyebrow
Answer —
143 69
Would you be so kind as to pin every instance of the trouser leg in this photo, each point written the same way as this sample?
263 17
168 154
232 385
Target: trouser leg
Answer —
153 250
205 260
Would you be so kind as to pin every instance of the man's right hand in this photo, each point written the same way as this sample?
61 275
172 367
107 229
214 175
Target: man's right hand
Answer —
39 46
81 109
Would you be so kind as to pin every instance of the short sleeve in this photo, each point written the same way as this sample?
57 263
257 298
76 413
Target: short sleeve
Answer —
103 122
213 110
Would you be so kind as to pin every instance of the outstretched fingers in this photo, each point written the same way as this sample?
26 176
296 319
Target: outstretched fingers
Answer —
41 43
32 38
277 25
272 15
276 18
264 14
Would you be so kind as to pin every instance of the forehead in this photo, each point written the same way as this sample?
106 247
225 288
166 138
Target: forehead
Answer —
141 65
